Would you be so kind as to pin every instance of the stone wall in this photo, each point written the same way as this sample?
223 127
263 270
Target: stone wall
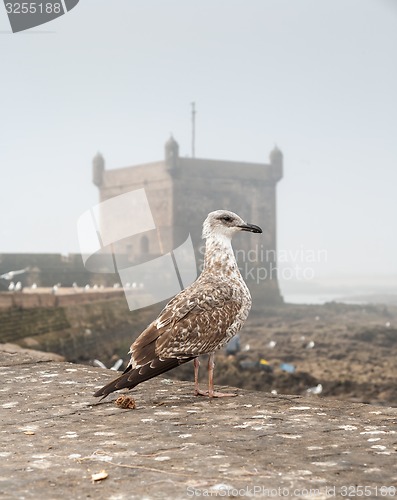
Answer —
78 328
32 300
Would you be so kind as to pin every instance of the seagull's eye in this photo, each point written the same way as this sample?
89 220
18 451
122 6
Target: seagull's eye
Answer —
226 218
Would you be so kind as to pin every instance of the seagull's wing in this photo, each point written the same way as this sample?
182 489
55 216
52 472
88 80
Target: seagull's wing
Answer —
205 327
195 322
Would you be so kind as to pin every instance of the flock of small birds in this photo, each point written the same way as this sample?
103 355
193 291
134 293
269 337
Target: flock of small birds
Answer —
17 287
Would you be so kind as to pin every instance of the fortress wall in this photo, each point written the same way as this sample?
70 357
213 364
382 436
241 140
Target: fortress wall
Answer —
75 328
30 300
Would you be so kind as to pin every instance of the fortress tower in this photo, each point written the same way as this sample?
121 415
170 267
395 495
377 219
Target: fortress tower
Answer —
182 191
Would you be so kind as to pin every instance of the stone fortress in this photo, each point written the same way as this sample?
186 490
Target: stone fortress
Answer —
181 192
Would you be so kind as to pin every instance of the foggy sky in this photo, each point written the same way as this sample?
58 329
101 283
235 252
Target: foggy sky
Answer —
318 79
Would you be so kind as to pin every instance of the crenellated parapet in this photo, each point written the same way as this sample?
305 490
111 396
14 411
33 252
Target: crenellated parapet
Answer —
98 168
276 162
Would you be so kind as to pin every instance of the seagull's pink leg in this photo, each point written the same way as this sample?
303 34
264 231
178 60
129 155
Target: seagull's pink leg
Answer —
197 391
211 392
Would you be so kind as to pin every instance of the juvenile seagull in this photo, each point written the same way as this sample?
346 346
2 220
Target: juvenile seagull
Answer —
200 319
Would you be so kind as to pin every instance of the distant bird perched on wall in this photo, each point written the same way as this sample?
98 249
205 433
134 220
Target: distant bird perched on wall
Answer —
200 319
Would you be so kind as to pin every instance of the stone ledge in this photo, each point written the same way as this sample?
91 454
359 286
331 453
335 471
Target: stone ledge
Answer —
28 355
55 435
30 299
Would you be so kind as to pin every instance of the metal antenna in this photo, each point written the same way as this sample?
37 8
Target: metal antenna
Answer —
193 128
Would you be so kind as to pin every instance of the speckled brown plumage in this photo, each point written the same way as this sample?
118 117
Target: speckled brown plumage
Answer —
200 319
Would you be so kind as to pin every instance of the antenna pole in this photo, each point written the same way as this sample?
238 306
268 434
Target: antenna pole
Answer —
193 128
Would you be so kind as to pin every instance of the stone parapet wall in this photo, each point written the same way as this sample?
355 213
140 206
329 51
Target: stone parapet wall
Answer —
32 300
56 436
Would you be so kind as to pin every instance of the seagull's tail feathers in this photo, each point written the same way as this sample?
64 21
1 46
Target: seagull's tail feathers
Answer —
134 376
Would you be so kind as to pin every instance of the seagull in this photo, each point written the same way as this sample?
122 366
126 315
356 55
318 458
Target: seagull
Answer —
200 319
11 274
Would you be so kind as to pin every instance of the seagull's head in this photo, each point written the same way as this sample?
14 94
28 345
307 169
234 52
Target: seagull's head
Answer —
225 224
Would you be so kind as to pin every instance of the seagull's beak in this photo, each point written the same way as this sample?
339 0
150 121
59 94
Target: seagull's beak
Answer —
251 228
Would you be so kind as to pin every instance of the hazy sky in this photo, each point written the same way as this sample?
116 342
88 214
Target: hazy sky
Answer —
317 78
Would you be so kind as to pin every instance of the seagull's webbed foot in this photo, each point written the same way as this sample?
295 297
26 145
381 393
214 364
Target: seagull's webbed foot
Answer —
214 394
199 392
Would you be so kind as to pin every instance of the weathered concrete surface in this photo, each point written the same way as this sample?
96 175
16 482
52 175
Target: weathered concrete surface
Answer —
30 355
55 435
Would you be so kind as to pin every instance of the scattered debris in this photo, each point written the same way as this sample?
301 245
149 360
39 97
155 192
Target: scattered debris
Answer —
310 345
126 402
287 367
99 476
96 362
273 391
29 433
272 344
265 366
115 367
247 364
